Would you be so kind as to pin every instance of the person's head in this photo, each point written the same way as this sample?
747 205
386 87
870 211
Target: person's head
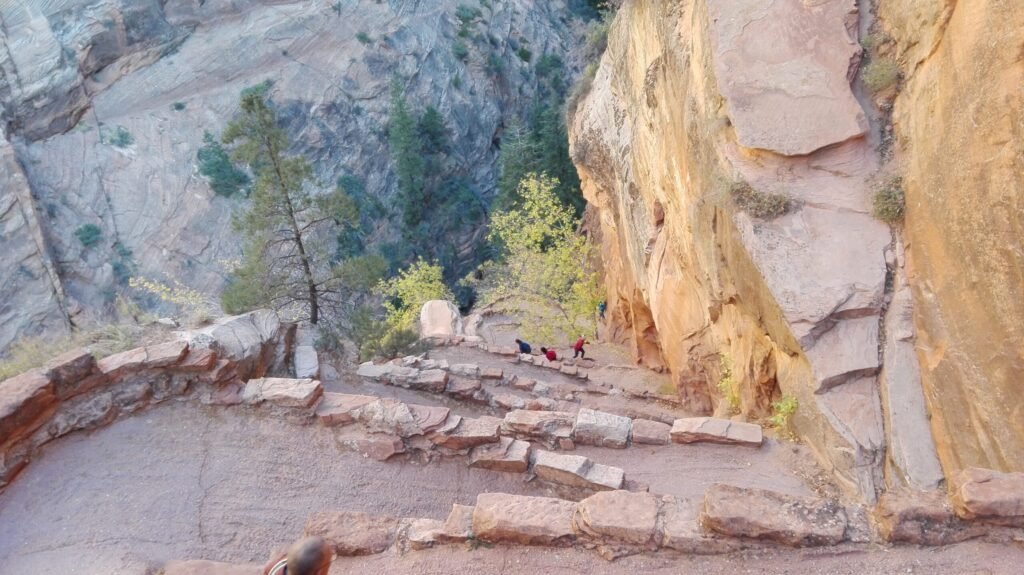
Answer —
543 350
309 556
519 341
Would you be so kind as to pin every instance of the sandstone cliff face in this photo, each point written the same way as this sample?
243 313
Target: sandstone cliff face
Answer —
960 123
75 71
690 98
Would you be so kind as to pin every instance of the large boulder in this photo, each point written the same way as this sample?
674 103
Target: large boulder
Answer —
249 340
440 319
502 518
989 495
772 516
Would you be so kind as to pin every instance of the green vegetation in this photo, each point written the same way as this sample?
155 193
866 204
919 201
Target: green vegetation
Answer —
544 270
336 7
727 385
89 235
364 38
31 352
540 145
285 224
889 203
121 138
524 54
758 204
215 164
581 89
460 50
880 74
782 411
178 106
495 66
437 202
467 16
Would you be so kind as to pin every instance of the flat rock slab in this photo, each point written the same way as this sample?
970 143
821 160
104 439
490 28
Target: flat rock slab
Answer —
714 430
462 388
989 495
543 424
282 391
210 568
422 533
492 373
353 533
647 432
921 518
432 380
465 369
502 518
524 383
458 527
601 429
619 517
374 371
340 408
680 529
772 516
470 432
576 471
507 401
429 417
386 415
508 455
380 447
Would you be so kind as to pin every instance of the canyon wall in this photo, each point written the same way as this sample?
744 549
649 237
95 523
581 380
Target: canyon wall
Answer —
959 119
75 75
694 102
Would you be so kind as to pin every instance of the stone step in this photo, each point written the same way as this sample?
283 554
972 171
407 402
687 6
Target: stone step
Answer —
771 516
714 430
576 471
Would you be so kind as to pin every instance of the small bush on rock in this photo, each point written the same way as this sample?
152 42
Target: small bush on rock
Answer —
782 411
89 235
121 138
889 203
880 74
364 38
758 204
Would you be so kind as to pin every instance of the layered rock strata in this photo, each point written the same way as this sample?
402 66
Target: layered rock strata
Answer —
695 104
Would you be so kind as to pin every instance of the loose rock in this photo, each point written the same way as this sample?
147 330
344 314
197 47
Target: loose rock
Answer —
509 455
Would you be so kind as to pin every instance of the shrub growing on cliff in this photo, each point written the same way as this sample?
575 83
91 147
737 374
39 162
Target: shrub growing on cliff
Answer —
880 74
215 164
545 270
889 203
120 138
727 384
89 235
782 412
758 204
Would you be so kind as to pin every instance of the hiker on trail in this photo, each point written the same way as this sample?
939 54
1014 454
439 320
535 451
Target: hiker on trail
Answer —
523 346
601 307
309 556
578 348
549 353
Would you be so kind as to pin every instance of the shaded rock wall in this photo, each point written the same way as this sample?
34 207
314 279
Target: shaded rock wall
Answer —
689 99
960 124
74 71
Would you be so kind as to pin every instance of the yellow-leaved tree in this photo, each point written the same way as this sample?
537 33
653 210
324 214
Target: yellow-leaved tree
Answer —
545 271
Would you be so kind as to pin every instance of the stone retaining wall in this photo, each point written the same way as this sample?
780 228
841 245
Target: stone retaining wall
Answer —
76 392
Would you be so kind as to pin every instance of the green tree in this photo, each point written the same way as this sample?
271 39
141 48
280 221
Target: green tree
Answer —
407 153
545 270
406 293
215 164
282 266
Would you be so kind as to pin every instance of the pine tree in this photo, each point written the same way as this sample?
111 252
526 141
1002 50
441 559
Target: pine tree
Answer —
283 265
407 153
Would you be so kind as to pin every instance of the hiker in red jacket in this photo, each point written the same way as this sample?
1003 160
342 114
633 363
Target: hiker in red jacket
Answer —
549 353
578 348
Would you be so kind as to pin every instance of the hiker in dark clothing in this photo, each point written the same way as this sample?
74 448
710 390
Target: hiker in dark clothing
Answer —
549 353
601 307
523 346
309 556
578 348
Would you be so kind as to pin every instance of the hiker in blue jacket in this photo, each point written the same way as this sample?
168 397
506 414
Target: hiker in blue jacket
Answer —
523 346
